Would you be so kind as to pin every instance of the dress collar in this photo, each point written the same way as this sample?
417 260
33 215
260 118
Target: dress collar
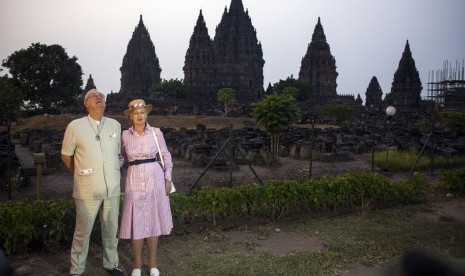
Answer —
148 128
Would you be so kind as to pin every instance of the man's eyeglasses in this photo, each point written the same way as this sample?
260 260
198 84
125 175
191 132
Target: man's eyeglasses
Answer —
96 96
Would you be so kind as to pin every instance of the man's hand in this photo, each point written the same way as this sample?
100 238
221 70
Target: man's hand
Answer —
68 161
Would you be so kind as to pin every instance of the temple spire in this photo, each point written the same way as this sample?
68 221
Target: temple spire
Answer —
318 33
318 67
141 68
236 6
90 84
199 64
374 94
238 54
406 86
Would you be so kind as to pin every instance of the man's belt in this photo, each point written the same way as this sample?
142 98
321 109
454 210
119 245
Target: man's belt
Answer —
142 161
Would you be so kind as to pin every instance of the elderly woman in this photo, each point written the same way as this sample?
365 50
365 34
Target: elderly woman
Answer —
146 211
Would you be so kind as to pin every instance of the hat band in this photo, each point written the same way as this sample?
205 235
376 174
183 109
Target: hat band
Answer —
137 105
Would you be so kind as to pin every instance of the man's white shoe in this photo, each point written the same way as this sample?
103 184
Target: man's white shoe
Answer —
154 272
136 272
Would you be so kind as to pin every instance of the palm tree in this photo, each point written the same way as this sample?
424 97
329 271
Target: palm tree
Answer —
228 96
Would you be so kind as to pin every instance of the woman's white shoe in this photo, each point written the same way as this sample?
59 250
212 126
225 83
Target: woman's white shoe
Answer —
154 272
136 272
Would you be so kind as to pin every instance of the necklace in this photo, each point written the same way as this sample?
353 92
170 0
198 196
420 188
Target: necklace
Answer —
97 133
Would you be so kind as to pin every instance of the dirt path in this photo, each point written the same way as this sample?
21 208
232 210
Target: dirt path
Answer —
58 183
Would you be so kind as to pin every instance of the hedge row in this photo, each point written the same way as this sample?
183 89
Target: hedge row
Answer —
29 223
35 223
280 197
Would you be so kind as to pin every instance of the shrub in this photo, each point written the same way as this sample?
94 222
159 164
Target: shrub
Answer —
35 223
454 180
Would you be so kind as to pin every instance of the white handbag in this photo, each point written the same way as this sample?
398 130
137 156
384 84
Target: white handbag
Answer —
173 189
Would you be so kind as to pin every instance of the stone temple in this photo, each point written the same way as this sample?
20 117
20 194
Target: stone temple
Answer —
318 67
238 54
140 69
200 64
233 58
374 94
406 86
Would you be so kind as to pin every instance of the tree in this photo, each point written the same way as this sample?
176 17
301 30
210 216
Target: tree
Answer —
228 96
453 120
46 75
276 113
338 112
11 98
301 90
294 92
269 89
174 87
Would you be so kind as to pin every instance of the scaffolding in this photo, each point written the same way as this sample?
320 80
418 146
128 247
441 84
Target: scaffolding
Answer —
446 86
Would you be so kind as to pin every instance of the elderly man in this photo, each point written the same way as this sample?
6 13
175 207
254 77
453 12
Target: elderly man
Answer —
91 148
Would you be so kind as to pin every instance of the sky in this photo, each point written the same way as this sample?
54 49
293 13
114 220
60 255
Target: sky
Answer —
366 37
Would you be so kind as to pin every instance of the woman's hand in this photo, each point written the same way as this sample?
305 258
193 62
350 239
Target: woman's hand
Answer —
168 185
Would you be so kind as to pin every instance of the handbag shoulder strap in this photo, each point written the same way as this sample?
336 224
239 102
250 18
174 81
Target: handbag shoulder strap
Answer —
159 150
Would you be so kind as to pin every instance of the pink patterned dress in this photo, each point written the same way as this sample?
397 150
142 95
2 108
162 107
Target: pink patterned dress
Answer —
146 208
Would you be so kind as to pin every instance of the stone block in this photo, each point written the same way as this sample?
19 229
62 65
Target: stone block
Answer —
37 146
